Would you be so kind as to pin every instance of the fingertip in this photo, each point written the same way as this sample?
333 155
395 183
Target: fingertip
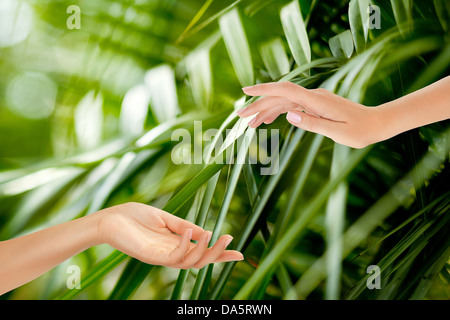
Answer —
249 90
230 255
252 122
243 113
293 117
208 239
228 241
270 120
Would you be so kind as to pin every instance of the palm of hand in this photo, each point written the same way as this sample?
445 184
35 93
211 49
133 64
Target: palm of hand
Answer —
157 237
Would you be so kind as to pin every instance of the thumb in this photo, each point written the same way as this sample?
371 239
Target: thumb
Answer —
311 123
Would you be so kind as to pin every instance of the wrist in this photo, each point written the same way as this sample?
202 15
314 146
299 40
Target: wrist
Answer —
91 228
105 222
369 126
382 123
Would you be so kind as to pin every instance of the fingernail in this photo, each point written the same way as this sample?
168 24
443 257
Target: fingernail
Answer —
190 234
209 236
240 111
293 117
246 88
228 242
251 122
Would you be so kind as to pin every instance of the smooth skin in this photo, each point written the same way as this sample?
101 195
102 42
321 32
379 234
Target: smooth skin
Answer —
144 232
342 120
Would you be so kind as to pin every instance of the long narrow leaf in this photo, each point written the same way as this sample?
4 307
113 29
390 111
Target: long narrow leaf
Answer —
357 15
275 58
237 45
295 31
334 225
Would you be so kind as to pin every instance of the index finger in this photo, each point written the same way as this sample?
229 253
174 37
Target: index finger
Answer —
285 89
179 225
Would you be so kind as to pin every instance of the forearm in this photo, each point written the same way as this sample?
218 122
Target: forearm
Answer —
26 258
427 105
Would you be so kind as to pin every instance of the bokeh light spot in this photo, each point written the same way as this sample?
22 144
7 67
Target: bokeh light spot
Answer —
31 95
16 19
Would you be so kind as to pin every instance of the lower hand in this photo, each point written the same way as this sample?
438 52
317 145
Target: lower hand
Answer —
160 238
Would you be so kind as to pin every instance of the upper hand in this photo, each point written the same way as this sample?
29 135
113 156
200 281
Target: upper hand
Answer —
315 110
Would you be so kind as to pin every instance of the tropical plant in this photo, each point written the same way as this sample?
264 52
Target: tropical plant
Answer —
138 70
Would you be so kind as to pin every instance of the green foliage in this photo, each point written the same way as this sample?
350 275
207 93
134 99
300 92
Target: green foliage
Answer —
310 230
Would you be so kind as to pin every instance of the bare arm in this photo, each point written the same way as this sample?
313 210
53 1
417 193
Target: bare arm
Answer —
427 105
143 232
25 258
345 121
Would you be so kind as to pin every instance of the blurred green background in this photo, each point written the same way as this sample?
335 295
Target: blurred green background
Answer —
86 117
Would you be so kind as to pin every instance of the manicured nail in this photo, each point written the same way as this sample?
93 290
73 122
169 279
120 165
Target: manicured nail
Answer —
248 90
240 111
190 234
251 122
293 117
209 236
228 242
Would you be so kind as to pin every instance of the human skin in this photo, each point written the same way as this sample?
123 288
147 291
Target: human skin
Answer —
342 120
138 230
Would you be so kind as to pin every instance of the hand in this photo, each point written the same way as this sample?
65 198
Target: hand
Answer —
143 232
160 238
315 110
